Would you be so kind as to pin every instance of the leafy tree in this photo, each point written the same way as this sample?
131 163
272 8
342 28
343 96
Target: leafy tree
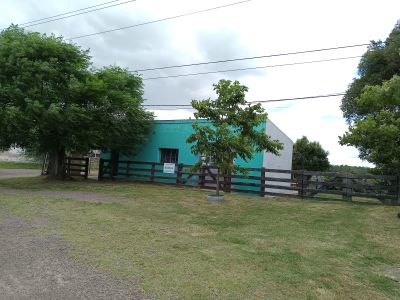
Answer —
371 110
51 102
233 130
309 156
351 169
380 63
376 132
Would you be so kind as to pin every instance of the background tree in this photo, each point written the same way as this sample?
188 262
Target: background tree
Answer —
234 131
309 156
50 102
376 133
380 63
371 105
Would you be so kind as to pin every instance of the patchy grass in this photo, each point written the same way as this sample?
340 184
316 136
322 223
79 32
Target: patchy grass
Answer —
19 165
179 245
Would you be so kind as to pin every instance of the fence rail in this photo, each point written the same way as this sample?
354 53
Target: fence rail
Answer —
77 166
262 181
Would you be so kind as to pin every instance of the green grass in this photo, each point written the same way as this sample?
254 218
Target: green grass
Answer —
19 165
180 246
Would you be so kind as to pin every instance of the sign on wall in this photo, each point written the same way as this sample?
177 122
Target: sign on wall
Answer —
169 168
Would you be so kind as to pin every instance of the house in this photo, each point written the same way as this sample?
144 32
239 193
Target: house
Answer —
167 144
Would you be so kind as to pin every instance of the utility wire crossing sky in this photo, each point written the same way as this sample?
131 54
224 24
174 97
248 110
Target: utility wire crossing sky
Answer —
199 35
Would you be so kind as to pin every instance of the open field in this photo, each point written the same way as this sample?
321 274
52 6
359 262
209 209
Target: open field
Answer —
177 245
19 165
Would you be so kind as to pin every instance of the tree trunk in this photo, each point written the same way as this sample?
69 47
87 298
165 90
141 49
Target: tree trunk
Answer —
114 162
57 164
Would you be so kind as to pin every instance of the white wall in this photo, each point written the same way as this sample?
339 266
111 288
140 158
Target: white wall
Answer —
283 161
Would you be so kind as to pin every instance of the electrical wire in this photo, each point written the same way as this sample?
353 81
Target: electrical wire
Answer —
68 12
252 68
160 20
182 106
252 57
77 14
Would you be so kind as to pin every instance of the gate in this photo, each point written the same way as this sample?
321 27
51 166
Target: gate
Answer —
77 167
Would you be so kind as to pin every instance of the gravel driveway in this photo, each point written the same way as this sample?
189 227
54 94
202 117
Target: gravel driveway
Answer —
39 267
10 173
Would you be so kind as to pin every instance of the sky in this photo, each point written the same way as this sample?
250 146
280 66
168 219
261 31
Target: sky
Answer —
252 28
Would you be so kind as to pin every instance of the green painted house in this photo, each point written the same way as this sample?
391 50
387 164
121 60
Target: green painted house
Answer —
167 144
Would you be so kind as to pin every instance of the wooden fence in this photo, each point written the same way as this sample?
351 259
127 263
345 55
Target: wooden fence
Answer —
77 166
263 181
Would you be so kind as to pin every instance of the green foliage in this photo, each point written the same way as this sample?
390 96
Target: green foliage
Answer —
351 169
371 105
233 131
376 133
309 156
51 102
380 63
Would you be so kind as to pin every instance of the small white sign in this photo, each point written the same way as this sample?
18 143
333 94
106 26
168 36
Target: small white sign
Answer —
169 168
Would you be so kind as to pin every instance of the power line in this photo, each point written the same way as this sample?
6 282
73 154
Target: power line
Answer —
249 58
77 14
299 98
68 12
251 68
181 106
160 20
177 108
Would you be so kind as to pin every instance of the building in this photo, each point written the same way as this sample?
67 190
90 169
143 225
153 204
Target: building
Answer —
167 144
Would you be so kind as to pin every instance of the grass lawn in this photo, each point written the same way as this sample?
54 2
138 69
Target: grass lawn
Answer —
180 246
19 165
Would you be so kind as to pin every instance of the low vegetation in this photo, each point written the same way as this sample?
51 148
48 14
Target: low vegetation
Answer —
180 246
19 165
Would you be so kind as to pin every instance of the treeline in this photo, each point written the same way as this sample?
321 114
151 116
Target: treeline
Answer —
352 169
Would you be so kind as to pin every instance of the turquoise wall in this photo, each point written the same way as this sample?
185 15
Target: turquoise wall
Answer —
173 134
168 134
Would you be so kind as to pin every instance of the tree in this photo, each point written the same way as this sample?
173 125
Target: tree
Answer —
376 132
372 111
309 156
232 131
51 102
380 63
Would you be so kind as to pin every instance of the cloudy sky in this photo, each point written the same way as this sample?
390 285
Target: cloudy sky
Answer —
252 28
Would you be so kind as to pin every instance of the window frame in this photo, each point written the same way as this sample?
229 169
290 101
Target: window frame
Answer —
169 155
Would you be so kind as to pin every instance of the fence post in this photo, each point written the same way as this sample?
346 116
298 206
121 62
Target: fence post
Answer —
86 167
227 182
127 170
347 188
153 170
101 165
302 193
398 191
262 187
179 174
202 177
68 167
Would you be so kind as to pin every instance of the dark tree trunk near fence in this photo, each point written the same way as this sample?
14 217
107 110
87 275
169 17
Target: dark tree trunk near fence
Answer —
56 167
114 162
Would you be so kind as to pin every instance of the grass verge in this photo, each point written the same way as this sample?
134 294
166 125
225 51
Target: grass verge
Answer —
181 246
19 165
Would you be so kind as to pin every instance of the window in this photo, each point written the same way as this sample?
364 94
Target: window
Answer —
169 155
